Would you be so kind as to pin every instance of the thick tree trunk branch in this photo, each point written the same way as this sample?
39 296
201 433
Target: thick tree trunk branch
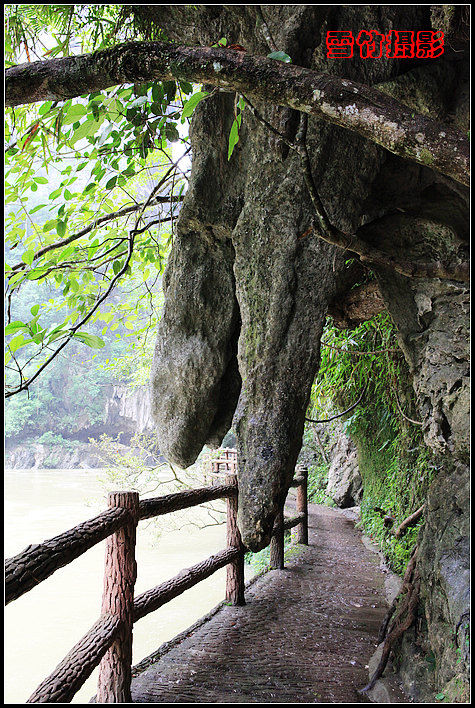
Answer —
375 257
356 107
410 521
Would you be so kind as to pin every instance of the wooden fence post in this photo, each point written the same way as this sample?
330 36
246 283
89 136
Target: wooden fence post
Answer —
235 569
277 542
120 573
302 506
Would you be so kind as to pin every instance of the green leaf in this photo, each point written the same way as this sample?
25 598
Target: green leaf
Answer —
34 310
90 339
17 342
15 327
74 114
56 335
49 225
39 336
140 101
186 87
171 132
192 102
170 90
44 108
28 257
38 207
16 278
64 254
61 228
92 248
88 127
233 138
280 56
56 193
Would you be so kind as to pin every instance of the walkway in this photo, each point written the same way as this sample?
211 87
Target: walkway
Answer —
305 635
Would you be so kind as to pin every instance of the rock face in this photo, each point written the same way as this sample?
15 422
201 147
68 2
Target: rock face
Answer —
250 217
37 456
248 286
129 410
126 413
345 485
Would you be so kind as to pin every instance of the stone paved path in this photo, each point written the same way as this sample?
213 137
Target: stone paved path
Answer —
305 635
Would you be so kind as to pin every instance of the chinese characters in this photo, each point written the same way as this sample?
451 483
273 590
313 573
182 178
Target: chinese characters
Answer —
396 44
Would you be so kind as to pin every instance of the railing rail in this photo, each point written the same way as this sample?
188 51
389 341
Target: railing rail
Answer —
37 562
109 641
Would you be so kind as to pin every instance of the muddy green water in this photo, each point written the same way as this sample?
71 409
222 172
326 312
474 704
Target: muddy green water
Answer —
44 624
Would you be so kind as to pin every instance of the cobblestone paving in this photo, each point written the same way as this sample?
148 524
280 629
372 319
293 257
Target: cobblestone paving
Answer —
305 635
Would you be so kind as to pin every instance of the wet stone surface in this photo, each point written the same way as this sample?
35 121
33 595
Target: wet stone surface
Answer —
305 635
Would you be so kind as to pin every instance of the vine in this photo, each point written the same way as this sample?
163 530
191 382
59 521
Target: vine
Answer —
394 463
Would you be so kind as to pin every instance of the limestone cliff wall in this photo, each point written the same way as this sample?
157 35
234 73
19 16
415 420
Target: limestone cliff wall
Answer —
248 288
126 412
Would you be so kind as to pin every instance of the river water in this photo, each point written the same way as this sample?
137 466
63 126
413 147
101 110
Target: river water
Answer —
45 623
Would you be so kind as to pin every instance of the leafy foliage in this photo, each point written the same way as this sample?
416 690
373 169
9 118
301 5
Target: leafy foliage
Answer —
68 28
317 484
395 465
369 353
92 194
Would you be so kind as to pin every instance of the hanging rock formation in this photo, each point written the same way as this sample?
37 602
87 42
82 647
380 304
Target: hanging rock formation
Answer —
244 265
248 286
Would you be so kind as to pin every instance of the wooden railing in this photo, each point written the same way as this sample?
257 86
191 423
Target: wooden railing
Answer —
109 641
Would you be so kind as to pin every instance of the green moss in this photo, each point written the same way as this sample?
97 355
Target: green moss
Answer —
427 157
395 465
397 470
457 690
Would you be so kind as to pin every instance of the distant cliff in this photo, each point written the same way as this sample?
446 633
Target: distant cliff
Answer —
126 413
130 409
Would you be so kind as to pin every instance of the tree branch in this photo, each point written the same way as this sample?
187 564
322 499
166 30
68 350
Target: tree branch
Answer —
363 110
409 521
94 225
24 385
339 415
410 269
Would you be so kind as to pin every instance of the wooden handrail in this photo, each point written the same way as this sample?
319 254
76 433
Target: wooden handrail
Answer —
76 667
37 562
182 500
153 599
109 641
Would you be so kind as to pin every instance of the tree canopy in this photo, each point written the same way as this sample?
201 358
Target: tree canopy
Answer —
93 189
